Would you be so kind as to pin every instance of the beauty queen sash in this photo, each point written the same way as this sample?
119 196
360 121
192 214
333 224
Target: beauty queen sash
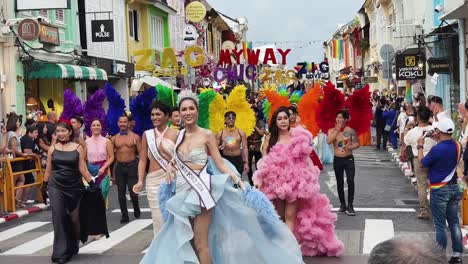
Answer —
153 147
201 182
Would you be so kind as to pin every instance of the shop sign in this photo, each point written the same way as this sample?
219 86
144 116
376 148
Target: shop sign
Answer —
28 29
116 67
407 67
102 30
253 56
195 11
49 34
370 79
190 35
438 65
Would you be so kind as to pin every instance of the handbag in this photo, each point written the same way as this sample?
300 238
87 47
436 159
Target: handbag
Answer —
387 128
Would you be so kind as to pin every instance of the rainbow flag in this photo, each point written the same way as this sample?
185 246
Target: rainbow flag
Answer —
335 48
246 46
409 92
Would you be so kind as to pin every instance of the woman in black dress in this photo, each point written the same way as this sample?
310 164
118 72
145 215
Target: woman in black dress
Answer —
65 166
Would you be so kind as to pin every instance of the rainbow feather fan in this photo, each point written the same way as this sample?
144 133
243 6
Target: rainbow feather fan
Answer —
93 109
216 117
360 110
166 95
71 105
245 115
205 98
276 102
116 108
333 101
307 108
140 108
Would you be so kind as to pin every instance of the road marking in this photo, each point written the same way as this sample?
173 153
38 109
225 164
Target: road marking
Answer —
119 235
32 246
396 210
376 231
132 210
18 230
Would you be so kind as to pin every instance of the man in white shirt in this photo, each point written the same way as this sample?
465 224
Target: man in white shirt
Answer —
411 139
437 107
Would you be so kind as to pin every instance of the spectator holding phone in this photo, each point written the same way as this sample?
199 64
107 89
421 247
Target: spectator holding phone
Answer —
411 139
442 161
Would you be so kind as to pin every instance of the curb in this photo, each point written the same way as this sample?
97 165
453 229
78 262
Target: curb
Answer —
21 213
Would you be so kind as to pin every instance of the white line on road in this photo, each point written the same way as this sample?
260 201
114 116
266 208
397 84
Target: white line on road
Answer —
376 231
132 210
119 235
397 210
18 230
32 246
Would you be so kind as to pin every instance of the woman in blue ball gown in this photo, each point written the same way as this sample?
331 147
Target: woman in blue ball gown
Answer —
209 220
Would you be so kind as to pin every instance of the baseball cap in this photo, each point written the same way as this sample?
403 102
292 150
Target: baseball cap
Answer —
445 125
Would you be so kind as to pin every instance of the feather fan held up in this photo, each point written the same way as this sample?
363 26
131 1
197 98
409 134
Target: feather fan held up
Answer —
307 108
276 102
116 109
360 110
140 108
333 101
166 94
71 105
93 109
204 100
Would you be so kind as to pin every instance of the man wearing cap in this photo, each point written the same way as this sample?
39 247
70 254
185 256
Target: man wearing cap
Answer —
442 161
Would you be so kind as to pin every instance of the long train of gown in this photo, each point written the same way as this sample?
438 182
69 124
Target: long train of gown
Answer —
288 174
235 234
153 183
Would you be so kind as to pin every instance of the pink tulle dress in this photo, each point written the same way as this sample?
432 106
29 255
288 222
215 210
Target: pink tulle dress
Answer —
287 173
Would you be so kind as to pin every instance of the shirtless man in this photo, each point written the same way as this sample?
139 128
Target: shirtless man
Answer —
163 139
232 144
344 141
127 145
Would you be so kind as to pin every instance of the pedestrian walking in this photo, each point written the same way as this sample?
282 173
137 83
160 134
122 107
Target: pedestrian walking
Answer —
100 155
63 182
157 146
344 140
126 146
232 143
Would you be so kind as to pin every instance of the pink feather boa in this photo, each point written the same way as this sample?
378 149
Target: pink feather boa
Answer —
287 173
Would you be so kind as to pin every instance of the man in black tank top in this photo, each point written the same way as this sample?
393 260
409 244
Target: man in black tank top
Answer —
232 143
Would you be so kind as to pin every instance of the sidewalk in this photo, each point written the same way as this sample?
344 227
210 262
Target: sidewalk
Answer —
39 207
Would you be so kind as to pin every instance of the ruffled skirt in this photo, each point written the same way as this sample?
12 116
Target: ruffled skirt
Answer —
235 234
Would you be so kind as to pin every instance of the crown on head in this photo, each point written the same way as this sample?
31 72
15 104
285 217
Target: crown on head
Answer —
187 93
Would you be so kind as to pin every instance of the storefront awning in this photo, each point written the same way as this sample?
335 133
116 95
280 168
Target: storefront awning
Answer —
43 70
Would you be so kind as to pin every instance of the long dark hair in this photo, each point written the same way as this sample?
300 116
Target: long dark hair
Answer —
274 130
69 128
12 119
40 130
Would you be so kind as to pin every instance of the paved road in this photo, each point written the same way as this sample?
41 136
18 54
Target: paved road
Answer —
386 206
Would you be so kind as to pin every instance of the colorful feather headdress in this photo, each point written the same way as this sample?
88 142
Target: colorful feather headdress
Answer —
307 108
360 110
140 108
167 95
116 109
236 102
93 109
333 101
71 105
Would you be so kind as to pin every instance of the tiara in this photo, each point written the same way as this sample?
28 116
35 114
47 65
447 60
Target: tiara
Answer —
187 93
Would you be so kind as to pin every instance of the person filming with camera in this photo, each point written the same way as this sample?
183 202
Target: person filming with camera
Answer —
442 161
411 136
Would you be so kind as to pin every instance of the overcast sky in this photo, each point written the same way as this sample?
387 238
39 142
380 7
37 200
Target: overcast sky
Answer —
292 20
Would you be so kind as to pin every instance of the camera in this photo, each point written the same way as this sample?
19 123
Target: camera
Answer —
428 134
439 8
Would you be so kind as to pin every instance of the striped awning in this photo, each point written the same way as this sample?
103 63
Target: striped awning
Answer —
42 70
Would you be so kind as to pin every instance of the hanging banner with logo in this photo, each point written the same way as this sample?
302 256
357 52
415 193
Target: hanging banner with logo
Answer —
102 30
410 66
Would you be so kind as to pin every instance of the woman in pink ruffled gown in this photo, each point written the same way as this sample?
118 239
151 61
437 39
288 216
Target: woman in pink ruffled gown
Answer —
289 179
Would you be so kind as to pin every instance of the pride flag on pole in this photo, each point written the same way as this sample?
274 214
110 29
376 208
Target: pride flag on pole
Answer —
409 92
246 46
